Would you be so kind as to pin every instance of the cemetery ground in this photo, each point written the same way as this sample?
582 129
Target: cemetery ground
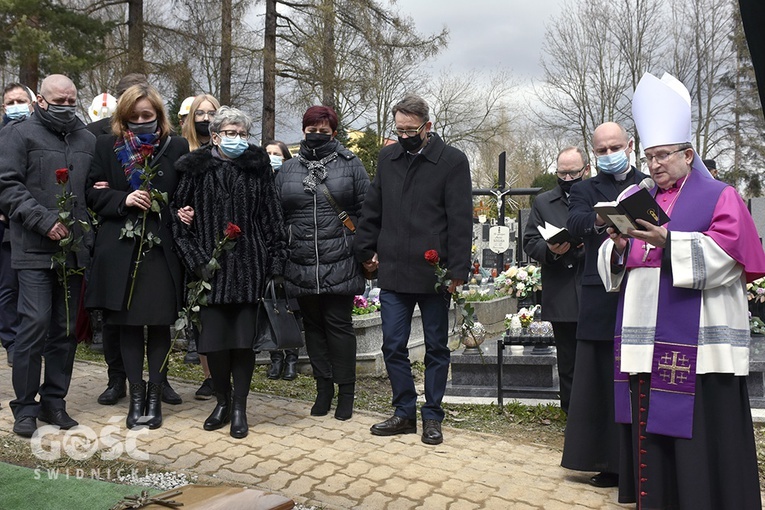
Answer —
537 429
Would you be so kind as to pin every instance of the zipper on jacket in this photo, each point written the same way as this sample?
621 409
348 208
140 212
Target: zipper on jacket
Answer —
316 239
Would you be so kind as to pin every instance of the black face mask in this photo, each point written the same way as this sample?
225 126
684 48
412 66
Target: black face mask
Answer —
143 128
411 143
566 185
316 140
202 127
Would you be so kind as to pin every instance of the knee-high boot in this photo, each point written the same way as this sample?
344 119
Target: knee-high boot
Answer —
325 392
154 405
137 404
222 412
239 426
344 409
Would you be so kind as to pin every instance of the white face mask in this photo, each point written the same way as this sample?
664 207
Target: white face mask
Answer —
276 162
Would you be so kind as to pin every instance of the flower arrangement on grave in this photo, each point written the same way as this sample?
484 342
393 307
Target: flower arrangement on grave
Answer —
519 282
755 291
69 244
364 306
471 332
140 178
197 291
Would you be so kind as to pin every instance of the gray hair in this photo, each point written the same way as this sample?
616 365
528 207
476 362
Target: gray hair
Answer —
413 104
576 148
228 115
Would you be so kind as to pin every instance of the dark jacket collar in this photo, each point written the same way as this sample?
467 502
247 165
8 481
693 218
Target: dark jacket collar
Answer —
432 150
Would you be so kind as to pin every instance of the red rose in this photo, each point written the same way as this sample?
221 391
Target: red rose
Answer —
146 150
62 175
232 231
432 257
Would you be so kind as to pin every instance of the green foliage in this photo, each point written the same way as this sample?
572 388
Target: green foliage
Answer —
546 181
61 40
367 148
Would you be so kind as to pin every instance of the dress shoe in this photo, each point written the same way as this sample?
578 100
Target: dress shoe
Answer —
394 425
116 390
605 480
25 426
169 396
56 417
206 391
431 432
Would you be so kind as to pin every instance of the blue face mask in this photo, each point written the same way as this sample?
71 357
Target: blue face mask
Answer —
17 111
232 147
276 162
614 163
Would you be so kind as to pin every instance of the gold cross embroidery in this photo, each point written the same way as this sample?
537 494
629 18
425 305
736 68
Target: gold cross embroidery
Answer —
676 370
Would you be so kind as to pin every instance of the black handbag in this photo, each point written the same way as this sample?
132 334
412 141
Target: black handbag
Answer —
277 322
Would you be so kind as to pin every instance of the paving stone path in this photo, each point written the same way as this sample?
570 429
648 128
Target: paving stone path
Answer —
339 465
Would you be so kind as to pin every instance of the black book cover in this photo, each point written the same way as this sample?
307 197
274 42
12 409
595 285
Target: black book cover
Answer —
623 213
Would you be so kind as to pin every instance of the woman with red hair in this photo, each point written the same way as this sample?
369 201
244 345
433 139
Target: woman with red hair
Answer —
324 179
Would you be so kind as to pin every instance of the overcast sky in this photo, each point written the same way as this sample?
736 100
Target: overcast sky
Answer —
485 34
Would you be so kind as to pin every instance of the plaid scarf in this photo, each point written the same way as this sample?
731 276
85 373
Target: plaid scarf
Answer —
132 152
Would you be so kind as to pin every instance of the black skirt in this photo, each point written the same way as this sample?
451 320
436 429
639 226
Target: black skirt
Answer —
154 296
226 327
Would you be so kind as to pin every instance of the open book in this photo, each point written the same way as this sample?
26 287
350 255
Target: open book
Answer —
632 204
557 235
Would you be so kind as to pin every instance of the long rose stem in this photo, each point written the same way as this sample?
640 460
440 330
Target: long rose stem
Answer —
137 260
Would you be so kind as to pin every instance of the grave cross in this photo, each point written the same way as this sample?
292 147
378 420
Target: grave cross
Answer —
500 193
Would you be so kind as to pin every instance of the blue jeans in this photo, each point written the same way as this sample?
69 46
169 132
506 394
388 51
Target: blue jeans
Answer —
397 310
42 334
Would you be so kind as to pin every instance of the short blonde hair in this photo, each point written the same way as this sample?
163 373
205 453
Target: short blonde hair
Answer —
189 132
127 102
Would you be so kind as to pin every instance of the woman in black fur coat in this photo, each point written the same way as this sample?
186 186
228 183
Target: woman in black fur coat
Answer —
230 182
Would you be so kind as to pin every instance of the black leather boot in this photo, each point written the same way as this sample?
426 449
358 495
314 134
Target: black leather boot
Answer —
113 392
239 426
221 414
137 404
344 409
290 368
325 392
277 364
154 405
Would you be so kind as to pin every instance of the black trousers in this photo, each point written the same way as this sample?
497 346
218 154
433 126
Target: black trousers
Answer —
112 352
329 337
565 346
42 335
9 297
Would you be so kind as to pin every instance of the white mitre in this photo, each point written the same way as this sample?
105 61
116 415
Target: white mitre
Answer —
661 110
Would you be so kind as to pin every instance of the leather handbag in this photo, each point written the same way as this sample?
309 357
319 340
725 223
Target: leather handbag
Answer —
277 322
347 221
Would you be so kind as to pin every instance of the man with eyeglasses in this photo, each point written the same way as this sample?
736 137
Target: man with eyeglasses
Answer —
561 264
35 150
682 329
420 200
592 436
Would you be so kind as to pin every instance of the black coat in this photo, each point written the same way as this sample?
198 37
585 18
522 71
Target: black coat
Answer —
597 312
415 207
321 257
561 275
240 191
113 257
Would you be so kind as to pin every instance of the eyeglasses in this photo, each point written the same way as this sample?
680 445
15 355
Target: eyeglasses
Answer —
233 133
201 113
409 132
661 157
570 173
